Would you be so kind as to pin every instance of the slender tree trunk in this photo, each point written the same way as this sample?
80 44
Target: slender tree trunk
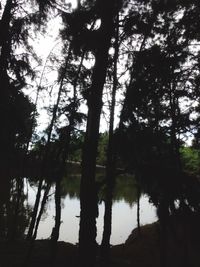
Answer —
55 232
32 127
55 110
88 192
46 156
56 228
43 203
65 153
5 193
20 186
35 210
110 166
138 209
64 156
8 208
5 35
34 235
174 142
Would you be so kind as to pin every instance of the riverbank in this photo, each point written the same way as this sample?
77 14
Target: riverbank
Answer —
131 253
142 250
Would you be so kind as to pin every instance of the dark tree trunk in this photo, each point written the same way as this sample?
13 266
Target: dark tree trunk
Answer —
35 210
5 40
5 193
43 203
110 166
56 228
20 187
33 236
32 126
138 209
55 232
163 216
64 151
6 140
88 192
174 131
46 156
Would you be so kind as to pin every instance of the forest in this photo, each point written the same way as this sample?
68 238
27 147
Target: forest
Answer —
100 101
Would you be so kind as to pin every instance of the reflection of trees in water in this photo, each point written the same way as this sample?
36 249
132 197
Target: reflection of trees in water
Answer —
14 209
71 186
15 202
171 188
160 186
125 188
15 199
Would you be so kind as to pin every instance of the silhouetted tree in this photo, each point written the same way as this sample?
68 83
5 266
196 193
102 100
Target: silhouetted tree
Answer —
97 41
111 157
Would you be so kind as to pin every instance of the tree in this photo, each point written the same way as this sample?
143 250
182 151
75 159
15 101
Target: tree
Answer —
153 119
15 69
111 156
106 12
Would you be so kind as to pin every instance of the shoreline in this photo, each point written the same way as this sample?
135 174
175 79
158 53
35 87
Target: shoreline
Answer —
143 250
12 254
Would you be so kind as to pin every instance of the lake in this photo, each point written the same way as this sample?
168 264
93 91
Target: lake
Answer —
124 214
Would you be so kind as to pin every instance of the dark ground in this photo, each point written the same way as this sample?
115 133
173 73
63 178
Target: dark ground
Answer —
137 251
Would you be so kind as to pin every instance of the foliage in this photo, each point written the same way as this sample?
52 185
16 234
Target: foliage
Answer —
102 148
190 159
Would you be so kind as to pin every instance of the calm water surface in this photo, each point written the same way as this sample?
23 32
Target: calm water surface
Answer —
124 218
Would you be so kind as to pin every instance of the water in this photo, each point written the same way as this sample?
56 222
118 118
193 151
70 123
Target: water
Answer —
124 217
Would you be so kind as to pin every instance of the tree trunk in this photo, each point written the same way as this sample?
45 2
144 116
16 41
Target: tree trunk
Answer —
55 232
44 201
35 210
175 154
46 156
5 41
110 165
56 228
33 236
6 140
163 216
88 192
5 194
20 187
64 151
138 209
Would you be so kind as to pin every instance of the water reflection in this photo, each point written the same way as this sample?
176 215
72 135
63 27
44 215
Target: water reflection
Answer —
18 198
124 211
14 209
